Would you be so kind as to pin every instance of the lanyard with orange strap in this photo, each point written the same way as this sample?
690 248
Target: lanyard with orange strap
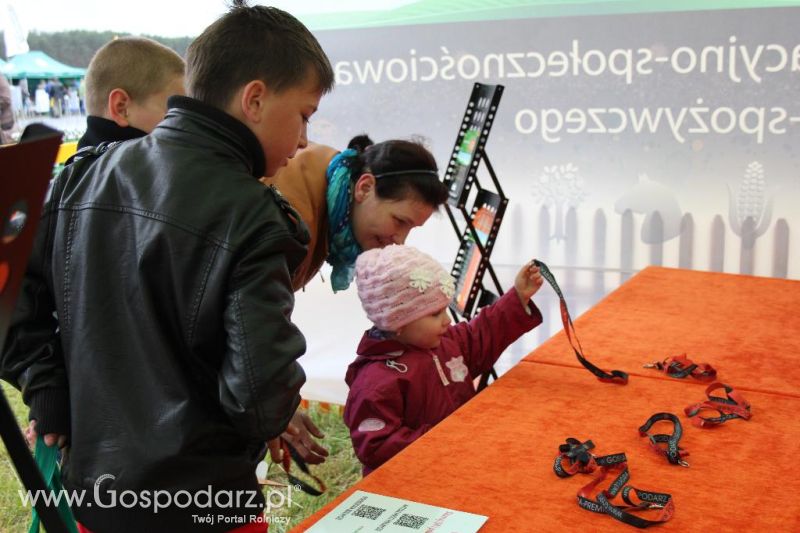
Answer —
614 376
681 366
732 406
575 457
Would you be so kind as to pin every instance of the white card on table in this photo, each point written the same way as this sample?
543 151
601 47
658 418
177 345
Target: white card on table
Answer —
365 512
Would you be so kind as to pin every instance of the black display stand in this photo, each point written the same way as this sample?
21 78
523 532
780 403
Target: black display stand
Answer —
481 223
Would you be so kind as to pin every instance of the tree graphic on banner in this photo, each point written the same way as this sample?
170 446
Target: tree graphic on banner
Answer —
560 187
750 211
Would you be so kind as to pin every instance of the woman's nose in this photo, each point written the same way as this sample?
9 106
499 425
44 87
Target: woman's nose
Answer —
303 141
400 237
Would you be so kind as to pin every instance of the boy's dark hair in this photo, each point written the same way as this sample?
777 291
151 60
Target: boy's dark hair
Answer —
394 156
253 43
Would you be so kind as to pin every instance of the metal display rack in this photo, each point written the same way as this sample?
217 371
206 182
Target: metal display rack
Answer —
482 221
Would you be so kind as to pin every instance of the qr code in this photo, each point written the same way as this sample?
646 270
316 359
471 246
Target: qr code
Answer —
411 521
367 511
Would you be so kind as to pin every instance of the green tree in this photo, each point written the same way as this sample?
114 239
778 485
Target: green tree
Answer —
76 47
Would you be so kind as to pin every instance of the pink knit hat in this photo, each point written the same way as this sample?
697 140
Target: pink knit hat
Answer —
399 284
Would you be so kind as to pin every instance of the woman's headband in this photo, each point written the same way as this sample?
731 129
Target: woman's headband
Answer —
404 172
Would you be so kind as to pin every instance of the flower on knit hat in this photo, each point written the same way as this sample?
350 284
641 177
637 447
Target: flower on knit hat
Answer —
420 279
448 284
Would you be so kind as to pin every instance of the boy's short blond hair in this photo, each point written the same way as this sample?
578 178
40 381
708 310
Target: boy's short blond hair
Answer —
139 66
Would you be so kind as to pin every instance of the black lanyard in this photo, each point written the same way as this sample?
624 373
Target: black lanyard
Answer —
289 454
574 457
673 452
615 376
647 499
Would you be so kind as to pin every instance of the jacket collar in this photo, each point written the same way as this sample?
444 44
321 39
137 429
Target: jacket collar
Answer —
242 133
100 130
375 344
374 347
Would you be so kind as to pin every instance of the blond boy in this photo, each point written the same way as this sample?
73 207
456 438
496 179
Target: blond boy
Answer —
127 86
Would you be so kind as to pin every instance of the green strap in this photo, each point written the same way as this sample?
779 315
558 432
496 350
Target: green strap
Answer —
47 461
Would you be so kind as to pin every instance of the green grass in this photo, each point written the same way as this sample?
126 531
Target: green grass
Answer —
339 472
13 517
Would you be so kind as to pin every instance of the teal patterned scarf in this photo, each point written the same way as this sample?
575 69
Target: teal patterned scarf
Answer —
342 246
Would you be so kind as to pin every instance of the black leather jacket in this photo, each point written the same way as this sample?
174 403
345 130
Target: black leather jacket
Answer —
168 265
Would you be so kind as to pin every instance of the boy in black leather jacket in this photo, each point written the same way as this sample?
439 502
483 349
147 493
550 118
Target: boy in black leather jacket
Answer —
168 265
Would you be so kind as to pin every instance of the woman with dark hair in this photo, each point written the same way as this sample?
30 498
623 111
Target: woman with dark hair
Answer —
368 196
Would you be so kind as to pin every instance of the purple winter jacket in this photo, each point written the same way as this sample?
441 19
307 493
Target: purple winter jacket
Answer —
398 392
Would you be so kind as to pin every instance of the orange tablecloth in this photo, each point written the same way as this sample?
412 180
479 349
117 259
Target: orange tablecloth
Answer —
748 328
494 455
